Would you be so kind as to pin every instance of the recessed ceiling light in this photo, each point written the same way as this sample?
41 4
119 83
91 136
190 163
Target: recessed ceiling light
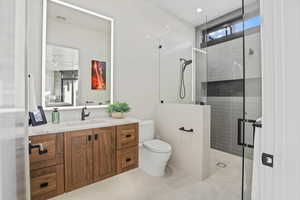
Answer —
199 10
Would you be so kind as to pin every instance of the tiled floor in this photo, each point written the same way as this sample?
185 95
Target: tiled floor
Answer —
136 185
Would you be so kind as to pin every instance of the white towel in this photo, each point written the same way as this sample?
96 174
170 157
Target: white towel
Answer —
32 106
256 164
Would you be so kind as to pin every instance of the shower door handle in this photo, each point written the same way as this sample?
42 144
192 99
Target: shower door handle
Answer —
239 133
240 138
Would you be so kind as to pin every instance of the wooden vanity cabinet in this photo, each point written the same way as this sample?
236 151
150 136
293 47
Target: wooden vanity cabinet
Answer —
78 158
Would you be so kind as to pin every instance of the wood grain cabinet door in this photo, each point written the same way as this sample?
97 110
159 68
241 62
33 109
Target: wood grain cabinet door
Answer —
104 152
78 159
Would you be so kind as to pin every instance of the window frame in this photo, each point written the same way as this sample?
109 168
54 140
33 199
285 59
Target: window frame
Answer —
220 26
228 37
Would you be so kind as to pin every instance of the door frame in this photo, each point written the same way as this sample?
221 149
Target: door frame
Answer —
277 138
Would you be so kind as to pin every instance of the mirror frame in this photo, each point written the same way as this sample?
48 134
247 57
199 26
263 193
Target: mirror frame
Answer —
44 46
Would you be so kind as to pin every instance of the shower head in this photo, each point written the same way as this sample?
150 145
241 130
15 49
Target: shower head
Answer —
185 62
188 62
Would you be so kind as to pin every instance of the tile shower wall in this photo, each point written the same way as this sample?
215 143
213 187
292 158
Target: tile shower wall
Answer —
224 114
225 90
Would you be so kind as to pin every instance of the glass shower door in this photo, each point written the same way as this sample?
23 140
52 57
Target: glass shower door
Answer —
252 91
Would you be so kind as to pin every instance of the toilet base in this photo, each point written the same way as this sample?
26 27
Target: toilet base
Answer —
152 163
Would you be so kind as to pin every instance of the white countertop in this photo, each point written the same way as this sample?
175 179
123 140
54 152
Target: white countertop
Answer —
79 125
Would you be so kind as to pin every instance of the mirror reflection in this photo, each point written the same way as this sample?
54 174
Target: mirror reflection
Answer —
62 76
77 58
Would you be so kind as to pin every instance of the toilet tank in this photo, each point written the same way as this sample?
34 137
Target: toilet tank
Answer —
146 130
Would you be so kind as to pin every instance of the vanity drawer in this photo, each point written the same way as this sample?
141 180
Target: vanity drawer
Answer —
47 182
127 159
52 153
127 136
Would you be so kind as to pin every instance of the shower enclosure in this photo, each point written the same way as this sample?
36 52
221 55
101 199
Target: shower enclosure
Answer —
221 68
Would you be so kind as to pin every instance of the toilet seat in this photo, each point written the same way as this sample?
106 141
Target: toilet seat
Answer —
157 146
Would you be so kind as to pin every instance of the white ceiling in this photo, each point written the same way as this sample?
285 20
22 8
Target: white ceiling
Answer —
187 9
77 18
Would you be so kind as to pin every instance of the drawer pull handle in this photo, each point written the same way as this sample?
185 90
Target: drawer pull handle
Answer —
89 137
43 185
128 159
96 137
43 151
128 136
37 146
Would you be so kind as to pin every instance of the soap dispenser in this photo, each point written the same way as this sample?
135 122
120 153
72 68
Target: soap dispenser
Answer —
55 116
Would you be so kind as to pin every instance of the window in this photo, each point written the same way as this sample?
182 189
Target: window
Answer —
219 33
229 31
248 24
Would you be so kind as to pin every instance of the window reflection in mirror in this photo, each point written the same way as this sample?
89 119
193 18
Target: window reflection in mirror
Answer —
78 57
62 75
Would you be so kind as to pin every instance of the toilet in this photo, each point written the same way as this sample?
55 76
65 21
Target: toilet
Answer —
154 154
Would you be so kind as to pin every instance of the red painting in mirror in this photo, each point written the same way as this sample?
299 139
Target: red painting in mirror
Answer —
98 75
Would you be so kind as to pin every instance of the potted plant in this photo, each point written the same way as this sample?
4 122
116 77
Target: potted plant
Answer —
117 110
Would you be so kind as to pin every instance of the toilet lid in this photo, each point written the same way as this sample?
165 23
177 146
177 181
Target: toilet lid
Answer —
158 146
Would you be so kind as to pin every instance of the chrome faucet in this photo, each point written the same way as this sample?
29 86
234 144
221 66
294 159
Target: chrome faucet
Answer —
83 115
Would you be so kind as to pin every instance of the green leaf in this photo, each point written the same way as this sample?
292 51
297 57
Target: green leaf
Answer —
118 107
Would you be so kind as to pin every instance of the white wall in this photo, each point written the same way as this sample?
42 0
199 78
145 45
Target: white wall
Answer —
138 25
190 152
175 45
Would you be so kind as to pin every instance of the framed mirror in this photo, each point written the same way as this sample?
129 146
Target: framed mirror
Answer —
77 58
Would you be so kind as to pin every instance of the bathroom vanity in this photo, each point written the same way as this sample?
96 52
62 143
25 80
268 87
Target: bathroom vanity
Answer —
71 155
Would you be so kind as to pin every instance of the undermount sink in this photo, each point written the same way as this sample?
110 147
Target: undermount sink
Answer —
91 121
